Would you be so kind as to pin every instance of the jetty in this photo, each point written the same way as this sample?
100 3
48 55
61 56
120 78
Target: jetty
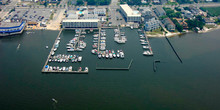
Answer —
116 68
154 65
174 49
46 70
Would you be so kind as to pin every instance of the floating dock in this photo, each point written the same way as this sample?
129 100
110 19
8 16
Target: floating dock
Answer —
106 68
57 71
150 49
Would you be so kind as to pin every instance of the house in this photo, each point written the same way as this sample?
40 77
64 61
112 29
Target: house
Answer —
182 22
169 24
188 14
156 2
163 2
209 21
145 11
159 11
151 23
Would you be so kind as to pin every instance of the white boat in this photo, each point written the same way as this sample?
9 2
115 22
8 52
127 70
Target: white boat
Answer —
106 55
70 50
99 56
80 58
110 55
118 55
54 100
132 27
122 54
86 69
46 47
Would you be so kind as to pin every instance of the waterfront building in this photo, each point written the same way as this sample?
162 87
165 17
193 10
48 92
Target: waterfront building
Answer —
11 28
159 11
129 14
100 11
209 21
151 23
145 11
169 24
80 23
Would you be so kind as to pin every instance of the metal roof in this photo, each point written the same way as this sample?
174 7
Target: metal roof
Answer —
129 11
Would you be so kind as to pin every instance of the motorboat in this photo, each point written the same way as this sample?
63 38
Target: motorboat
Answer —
80 58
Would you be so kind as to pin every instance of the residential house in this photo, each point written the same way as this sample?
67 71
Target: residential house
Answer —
209 21
159 11
169 24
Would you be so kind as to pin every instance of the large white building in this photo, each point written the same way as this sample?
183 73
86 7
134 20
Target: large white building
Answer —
129 14
80 23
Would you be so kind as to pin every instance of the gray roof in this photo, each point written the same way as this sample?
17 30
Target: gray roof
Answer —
9 24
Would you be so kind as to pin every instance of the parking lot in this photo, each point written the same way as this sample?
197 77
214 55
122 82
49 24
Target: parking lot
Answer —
30 15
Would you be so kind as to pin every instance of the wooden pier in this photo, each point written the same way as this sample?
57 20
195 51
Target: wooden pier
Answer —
150 49
57 71
99 37
106 68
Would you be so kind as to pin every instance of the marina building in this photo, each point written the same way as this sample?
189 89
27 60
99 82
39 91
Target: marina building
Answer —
11 28
80 23
129 14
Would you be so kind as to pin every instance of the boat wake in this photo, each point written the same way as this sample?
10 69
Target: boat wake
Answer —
18 47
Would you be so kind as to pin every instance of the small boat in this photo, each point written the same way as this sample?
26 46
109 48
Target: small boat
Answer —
46 47
80 69
54 100
118 55
99 56
86 69
80 58
106 55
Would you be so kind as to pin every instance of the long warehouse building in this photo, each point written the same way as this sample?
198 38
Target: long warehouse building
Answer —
129 14
80 23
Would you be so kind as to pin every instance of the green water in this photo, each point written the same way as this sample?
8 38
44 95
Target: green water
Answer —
193 85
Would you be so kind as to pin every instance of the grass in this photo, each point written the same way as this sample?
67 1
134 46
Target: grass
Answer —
212 11
155 32
51 16
172 3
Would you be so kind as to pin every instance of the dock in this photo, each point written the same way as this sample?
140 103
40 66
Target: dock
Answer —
57 71
116 68
150 49
99 37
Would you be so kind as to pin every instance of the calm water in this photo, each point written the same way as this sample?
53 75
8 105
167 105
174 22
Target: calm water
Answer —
191 85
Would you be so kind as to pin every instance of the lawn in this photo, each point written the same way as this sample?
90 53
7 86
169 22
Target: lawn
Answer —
213 11
155 32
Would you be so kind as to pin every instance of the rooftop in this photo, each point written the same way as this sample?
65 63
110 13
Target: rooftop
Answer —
129 11
9 24
81 20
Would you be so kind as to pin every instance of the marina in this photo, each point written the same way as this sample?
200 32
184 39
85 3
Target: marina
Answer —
62 58
179 83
